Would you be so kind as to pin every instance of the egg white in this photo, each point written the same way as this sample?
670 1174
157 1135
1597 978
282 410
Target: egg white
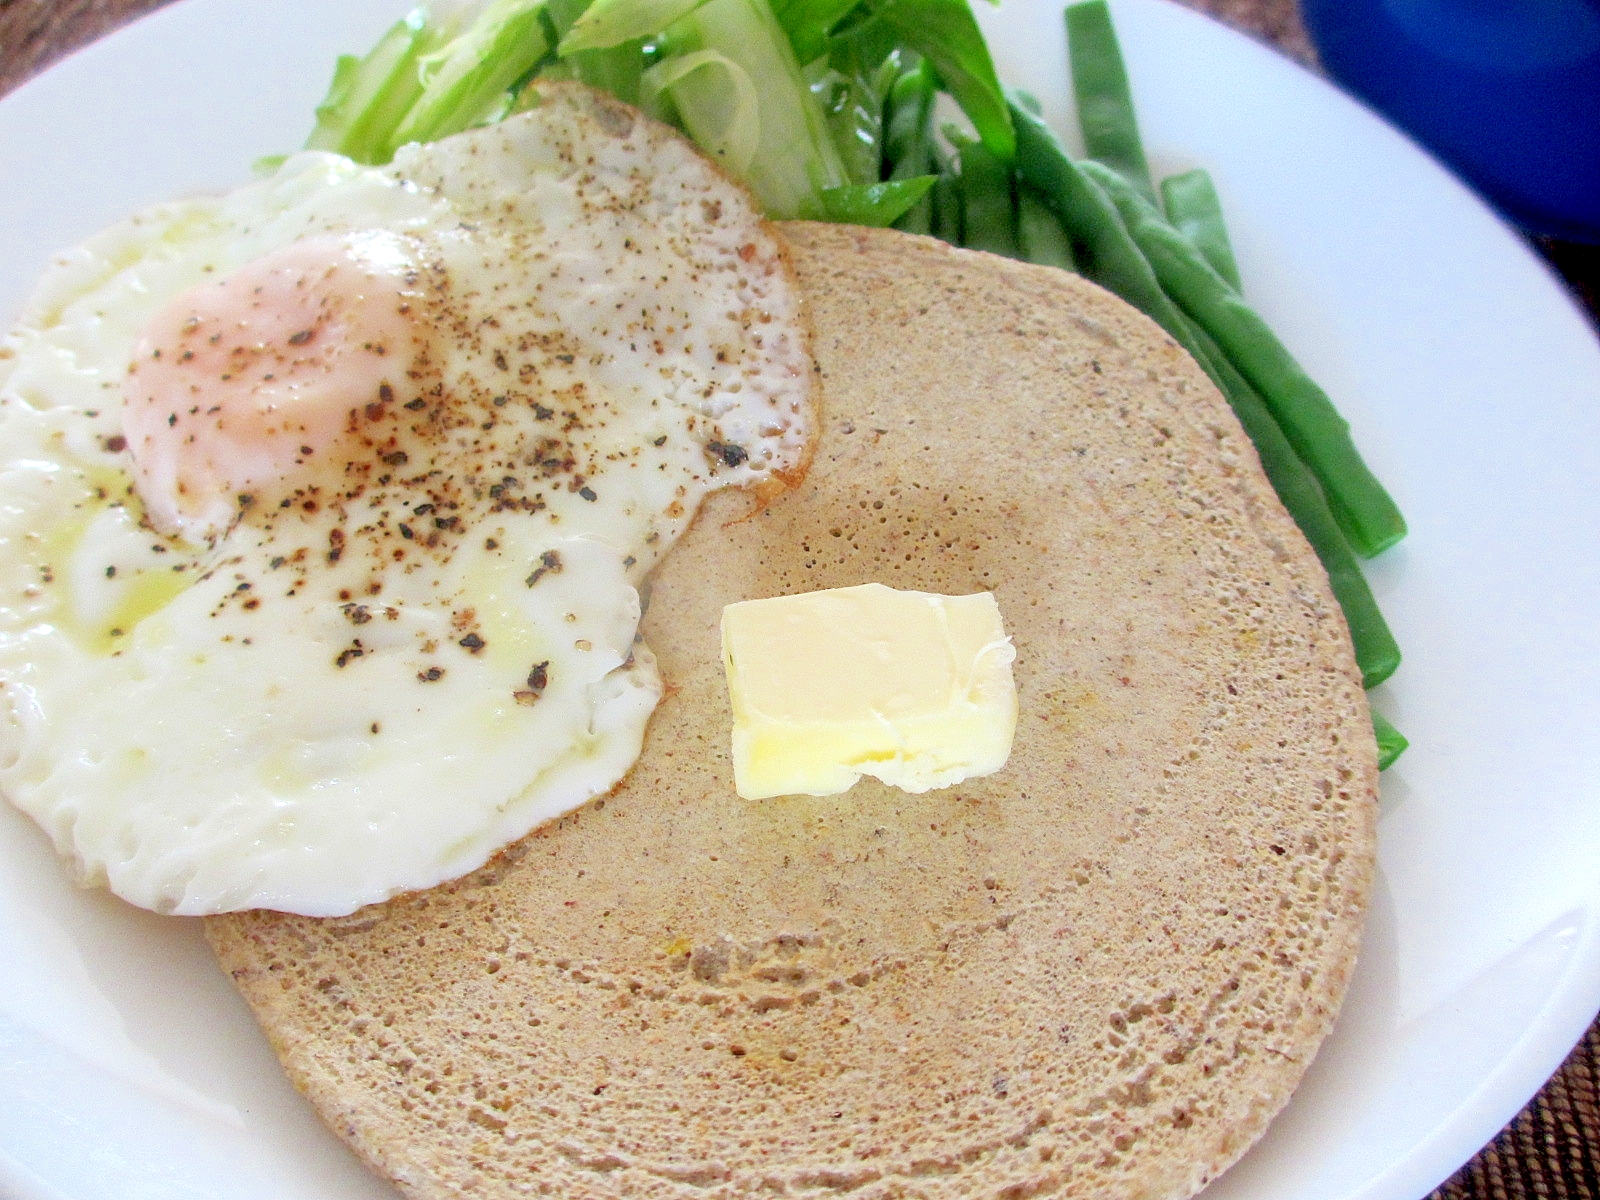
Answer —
370 678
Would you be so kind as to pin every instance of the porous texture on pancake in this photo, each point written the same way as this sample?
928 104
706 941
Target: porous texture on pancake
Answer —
1097 973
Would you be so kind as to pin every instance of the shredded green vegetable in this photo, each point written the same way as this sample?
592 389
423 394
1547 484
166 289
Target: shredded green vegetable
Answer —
792 98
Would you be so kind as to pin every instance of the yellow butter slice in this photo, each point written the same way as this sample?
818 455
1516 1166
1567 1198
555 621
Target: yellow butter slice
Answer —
911 688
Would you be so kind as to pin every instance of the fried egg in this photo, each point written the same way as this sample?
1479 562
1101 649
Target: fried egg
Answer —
325 504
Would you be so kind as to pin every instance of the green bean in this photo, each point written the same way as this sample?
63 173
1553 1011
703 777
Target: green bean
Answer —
1195 211
1113 259
1320 436
989 211
1391 742
1105 251
1105 103
1040 237
1192 196
1377 653
945 196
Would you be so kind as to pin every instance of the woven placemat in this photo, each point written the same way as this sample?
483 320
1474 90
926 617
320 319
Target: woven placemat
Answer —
1551 1150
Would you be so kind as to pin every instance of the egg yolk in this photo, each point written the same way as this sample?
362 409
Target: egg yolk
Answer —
252 381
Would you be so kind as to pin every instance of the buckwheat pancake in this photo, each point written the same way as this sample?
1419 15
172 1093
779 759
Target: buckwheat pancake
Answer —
1097 973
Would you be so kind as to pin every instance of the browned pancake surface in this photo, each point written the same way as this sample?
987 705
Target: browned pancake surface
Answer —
1096 973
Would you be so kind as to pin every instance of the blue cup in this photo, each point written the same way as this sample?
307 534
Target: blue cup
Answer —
1505 92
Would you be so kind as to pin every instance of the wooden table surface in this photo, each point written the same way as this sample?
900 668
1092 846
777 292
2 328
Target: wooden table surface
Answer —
1551 1150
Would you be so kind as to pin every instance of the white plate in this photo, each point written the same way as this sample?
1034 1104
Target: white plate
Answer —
128 1067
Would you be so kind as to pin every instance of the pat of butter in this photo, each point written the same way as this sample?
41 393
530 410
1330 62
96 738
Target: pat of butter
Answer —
911 688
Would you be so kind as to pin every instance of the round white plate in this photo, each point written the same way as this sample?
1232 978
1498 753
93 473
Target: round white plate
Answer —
129 1069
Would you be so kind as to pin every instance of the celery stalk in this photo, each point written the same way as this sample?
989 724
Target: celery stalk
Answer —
727 123
465 82
370 96
607 23
795 160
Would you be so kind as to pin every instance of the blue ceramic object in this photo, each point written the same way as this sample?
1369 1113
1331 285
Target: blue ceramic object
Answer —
1506 92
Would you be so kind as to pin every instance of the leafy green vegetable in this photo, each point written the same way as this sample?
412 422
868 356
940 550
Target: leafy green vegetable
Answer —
853 95
908 137
875 203
792 100
722 115
947 35
617 66
809 23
